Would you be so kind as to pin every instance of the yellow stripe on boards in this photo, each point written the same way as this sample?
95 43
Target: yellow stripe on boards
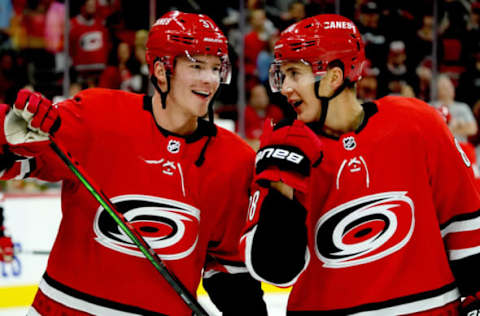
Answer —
267 288
16 296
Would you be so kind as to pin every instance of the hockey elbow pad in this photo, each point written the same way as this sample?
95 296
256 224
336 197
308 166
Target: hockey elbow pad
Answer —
287 153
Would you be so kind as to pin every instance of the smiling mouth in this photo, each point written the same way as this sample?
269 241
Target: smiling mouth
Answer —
297 104
202 94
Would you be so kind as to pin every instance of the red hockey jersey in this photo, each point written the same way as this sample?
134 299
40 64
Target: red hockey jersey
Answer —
188 214
89 44
393 215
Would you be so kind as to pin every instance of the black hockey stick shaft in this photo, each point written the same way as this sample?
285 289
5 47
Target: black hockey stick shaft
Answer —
128 229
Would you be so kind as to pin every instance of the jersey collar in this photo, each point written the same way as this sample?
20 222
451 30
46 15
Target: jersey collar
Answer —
204 128
370 108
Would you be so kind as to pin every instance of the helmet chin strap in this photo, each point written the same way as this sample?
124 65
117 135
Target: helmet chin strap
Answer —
163 95
318 125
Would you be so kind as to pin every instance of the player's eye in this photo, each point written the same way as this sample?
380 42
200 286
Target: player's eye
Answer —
293 74
196 66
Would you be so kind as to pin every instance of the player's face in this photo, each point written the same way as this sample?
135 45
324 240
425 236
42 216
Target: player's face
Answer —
194 82
298 87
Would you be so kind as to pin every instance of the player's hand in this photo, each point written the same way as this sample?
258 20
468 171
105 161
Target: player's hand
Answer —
32 119
6 249
470 306
288 152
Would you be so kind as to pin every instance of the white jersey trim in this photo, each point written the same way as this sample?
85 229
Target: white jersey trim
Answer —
461 226
415 307
230 270
77 303
463 253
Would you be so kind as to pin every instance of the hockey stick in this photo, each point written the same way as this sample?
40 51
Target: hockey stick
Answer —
128 229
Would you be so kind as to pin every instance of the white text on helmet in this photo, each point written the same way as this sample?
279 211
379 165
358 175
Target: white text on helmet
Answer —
162 21
213 40
338 25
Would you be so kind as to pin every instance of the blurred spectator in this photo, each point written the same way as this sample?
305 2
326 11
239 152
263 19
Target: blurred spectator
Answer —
257 39
424 75
12 76
277 10
34 21
471 40
6 14
421 43
367 87
54 32
257 111
106 8
119 72
395 70
456 18
295 13
374 36
264 59
89 44
453 30
469 82
139 52
462 122
18 31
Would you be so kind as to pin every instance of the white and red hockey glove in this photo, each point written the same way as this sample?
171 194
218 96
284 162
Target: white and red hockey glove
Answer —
287 153
32 119
470 305
6 248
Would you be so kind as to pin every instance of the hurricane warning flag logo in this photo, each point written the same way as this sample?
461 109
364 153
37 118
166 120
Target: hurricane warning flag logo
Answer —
169 227
364 230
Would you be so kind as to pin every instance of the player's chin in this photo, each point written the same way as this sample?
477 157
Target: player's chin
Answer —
305 117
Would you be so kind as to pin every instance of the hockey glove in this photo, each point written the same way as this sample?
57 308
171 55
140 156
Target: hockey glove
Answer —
287 153
471 306
32 119
6 249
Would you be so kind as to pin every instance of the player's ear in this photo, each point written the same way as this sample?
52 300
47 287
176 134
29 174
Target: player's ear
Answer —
161 74
336 77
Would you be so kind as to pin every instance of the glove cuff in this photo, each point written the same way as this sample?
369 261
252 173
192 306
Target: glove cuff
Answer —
3 113
296 181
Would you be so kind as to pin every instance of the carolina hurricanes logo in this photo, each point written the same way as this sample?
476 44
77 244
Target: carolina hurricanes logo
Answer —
168 226
364 230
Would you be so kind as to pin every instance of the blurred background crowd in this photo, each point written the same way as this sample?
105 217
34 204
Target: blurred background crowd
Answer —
424 48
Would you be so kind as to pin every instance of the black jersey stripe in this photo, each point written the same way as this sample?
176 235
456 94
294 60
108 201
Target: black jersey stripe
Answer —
372 307
97 300
460 217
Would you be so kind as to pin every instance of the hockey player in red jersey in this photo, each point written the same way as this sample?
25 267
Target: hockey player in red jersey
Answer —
365 209
181 181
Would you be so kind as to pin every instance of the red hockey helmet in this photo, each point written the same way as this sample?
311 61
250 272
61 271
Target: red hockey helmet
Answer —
186 34
318 41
